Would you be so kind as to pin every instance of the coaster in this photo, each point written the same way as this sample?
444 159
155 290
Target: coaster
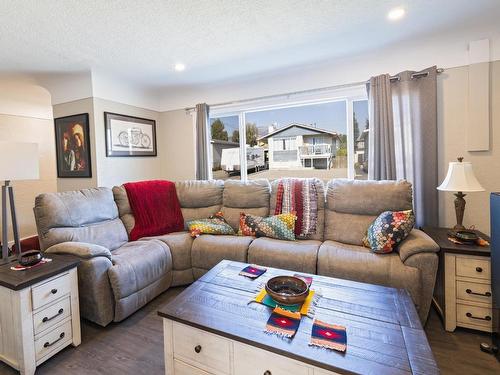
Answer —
329 336
308 279
283 322
253 271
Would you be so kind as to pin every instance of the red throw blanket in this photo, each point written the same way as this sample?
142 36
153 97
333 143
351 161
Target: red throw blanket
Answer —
156 208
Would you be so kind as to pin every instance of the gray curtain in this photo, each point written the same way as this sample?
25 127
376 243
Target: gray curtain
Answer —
381 155
202 142
414 117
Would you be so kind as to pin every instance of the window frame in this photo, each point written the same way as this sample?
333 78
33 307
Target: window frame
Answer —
347 94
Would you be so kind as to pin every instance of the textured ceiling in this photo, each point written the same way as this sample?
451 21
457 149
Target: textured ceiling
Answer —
218 40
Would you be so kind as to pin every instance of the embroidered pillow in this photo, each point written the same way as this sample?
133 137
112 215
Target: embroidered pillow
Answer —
215 224
388 230
281 227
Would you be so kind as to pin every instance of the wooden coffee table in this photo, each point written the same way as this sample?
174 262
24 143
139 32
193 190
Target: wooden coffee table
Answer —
211 328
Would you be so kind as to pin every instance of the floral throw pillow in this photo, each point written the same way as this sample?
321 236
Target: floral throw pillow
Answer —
388 230
281 227
215 224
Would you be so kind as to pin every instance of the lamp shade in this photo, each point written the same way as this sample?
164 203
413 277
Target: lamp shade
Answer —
460 177
18 161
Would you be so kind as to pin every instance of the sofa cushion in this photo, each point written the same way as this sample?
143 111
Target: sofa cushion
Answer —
358 263
138 264
280 226
180 244
199 199
87 215
320 226
352 205
300 255
250 197
124 209
208 250
388 230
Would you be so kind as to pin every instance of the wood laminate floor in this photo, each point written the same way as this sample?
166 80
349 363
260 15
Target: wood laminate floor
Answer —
135 346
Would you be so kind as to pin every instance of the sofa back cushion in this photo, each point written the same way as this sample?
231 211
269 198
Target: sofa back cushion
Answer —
199 199
320 228
87 215
250 197
352 205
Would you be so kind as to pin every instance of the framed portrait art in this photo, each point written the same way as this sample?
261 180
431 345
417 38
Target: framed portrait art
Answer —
129 136
73 146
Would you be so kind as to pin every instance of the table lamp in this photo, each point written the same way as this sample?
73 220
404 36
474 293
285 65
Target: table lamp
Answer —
460 178
18 161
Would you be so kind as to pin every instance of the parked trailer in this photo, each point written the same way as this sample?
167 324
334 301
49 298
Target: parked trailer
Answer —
230 159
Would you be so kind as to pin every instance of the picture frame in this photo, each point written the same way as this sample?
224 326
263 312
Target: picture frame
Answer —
73 152
129 136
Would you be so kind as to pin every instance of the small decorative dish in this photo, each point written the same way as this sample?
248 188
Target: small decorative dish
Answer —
465 235
287 290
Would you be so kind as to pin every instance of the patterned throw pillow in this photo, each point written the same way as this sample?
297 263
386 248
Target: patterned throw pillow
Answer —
388 230
281 227
215 224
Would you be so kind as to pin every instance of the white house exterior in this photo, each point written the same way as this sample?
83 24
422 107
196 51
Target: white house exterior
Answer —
301 146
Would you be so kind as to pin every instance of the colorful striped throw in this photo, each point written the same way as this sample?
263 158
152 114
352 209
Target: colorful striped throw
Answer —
299 196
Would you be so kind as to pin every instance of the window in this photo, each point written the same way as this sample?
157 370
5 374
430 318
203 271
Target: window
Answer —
361 134
225 147
313 138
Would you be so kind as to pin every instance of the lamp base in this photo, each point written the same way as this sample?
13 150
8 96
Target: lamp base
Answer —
459 210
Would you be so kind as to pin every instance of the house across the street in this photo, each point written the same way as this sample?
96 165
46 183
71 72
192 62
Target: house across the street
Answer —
299 145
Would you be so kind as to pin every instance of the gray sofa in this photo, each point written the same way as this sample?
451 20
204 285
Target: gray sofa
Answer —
117 277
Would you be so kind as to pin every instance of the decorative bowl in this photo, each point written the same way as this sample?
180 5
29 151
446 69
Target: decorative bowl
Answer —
287 290
465 235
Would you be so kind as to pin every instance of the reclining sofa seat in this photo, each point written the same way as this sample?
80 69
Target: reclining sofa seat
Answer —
115 277
351 206
342 222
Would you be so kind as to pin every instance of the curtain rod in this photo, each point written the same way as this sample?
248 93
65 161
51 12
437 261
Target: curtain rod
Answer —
327 88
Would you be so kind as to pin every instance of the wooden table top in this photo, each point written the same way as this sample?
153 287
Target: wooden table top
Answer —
384 334
440 236
17 280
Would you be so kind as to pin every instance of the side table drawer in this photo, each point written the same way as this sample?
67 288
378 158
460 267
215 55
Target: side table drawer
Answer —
52 315
252 361
472 267
479 316
201 349
46 293
474 292
181 368
53 340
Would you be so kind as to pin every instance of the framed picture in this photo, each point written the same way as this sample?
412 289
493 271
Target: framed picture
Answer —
129 136
73 146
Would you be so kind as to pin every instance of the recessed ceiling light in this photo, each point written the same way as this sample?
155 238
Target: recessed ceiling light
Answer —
179 67
396 14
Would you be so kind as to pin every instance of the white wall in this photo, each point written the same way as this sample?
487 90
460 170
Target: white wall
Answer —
177 142
26 116
452 117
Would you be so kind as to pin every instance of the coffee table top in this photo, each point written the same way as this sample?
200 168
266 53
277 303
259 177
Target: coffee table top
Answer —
384 334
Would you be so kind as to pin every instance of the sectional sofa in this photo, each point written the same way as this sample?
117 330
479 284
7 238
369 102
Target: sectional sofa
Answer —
117 277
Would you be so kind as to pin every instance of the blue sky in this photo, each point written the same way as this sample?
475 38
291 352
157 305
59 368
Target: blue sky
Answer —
329 116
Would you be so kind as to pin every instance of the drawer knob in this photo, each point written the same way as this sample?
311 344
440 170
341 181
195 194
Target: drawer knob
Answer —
53 291
197 348
486 294
479 269
267 372
49 344
469 315
46 319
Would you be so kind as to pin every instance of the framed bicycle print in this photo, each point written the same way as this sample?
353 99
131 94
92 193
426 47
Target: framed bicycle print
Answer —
129 135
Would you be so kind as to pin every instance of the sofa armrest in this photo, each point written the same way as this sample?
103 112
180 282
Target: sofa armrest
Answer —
80 249
416 242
